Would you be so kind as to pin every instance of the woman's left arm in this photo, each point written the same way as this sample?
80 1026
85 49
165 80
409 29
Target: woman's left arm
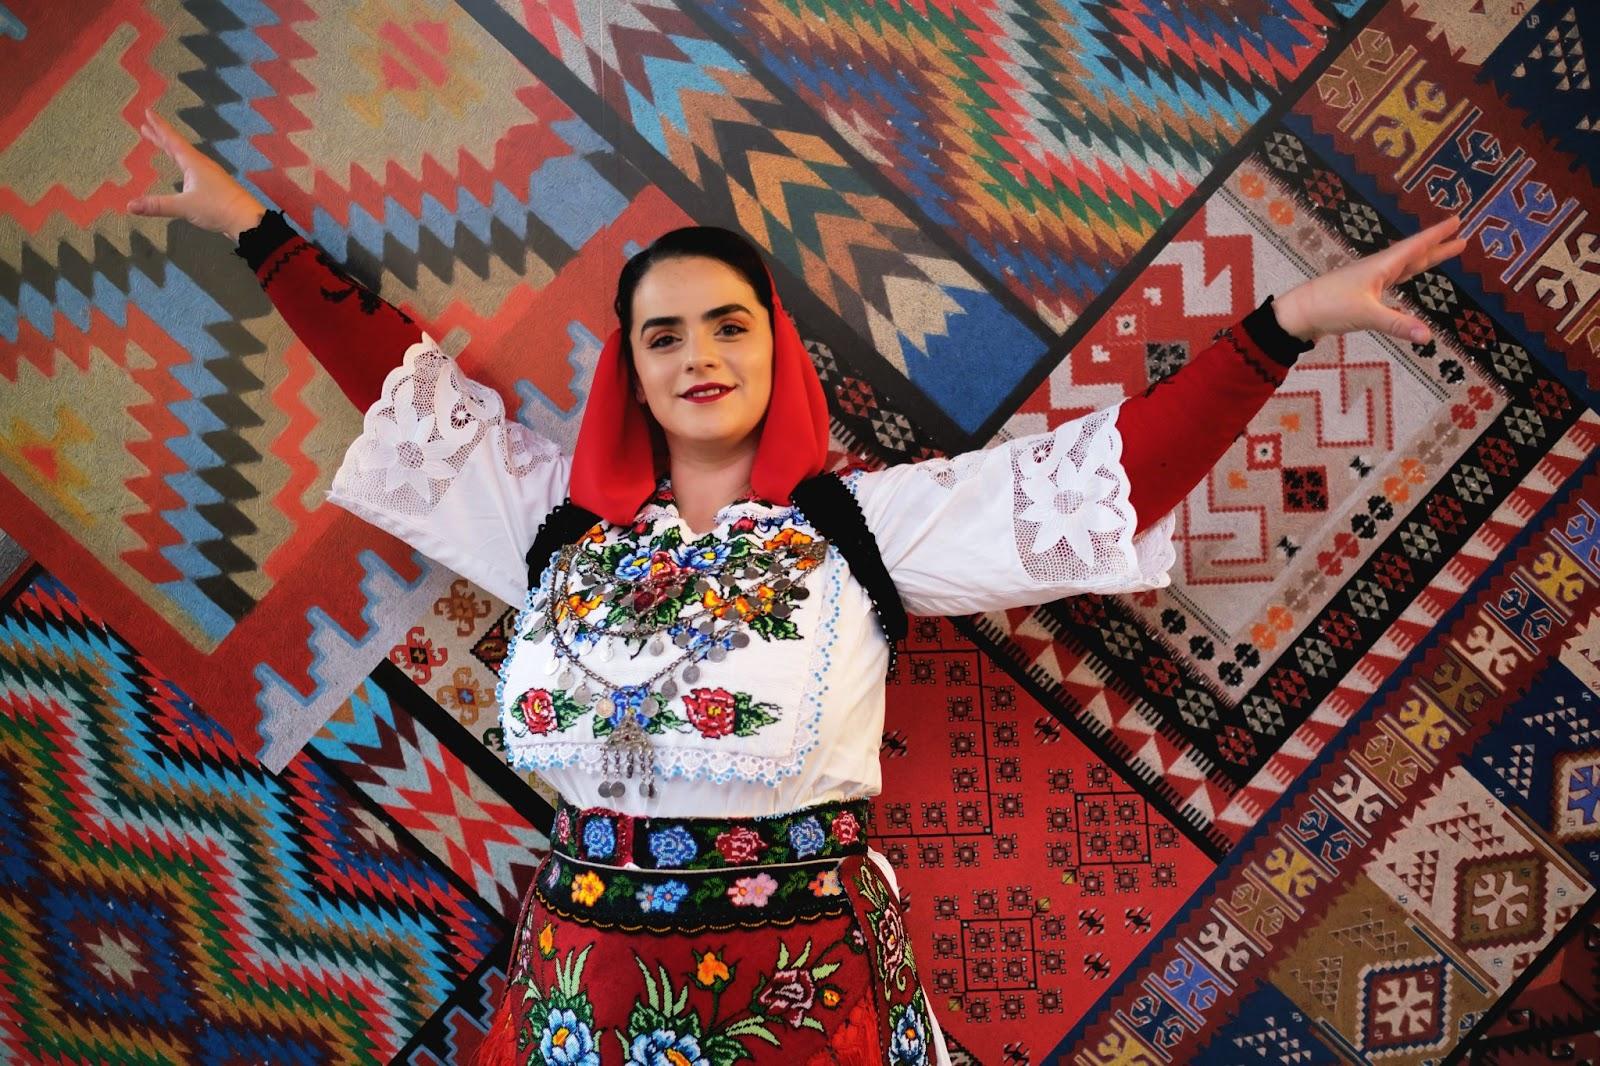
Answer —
1053 514
1181 427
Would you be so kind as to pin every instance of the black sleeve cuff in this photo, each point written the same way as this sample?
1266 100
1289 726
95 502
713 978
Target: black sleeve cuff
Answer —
264 238
1281 347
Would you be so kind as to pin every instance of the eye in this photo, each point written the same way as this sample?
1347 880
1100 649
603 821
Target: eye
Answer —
732 325
655 342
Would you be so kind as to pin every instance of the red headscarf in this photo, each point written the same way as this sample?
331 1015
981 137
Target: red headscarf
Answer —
614 466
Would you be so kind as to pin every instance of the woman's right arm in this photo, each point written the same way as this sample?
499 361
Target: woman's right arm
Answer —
438 463
351 330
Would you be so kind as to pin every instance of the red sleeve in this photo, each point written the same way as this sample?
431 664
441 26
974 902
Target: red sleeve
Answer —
355 334
1179 429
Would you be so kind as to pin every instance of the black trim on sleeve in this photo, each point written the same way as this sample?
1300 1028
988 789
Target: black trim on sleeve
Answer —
1275 342
564 525
832 510
265 237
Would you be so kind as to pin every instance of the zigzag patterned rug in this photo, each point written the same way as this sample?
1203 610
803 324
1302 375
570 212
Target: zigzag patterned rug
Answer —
1329 797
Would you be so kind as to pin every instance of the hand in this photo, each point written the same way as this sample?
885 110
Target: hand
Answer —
1350 298
211 198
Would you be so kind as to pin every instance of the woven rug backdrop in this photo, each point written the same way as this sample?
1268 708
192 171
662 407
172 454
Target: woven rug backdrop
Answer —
1331 797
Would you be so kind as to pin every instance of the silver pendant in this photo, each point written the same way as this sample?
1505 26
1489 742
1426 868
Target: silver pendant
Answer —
717 653
691 673
740 639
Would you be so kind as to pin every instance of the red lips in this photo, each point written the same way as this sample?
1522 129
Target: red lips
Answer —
706 392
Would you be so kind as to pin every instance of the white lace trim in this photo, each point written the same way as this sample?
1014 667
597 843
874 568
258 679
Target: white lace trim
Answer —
413 446
948 473
703 764
1071 513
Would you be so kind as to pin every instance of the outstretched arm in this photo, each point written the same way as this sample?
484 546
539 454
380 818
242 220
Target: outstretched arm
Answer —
355 334
1059 513
1179 429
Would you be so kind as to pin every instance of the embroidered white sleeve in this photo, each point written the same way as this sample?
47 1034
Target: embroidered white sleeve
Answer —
1022 523
440 466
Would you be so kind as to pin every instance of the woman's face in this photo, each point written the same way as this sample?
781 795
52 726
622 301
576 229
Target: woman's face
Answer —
696 324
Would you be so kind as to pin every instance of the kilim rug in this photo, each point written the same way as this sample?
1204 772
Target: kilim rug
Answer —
1328 798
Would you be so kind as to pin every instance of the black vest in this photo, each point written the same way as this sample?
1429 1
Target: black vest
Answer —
826 503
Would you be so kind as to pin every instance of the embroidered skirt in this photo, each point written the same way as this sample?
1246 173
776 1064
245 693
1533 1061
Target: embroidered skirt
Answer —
705 941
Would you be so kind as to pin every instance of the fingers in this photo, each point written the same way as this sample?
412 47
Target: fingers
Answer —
1417 243
1429 258
1405 327
156 206
161 134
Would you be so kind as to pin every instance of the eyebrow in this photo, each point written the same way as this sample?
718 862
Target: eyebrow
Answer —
677 320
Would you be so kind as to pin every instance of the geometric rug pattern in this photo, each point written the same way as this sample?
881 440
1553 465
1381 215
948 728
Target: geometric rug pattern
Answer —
1330 797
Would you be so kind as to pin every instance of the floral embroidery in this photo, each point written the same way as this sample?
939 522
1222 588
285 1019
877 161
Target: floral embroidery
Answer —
846 830
564 1029
566 1040
740 845
825 831
895 959
673 846
663 1047
698 1007
542 711
752 891
712 712
655 581
599 838
711 972
807 838
909 1043
716 712
825 884
663 898
586 888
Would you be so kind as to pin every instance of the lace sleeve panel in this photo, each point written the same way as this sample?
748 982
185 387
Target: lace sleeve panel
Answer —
1023 523
439 465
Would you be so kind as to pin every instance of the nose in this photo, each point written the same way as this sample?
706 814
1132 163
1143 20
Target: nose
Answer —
699 351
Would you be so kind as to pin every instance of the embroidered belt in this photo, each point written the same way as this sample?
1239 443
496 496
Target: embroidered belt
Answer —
697 873
596 835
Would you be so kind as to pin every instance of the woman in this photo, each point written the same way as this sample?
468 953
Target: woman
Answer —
697 670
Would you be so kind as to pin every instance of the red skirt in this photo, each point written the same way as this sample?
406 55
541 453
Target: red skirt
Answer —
706 941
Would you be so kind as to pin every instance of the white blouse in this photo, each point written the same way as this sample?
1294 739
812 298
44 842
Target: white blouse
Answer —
775 659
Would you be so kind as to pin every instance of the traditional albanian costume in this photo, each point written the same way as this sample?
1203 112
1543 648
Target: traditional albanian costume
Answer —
709 705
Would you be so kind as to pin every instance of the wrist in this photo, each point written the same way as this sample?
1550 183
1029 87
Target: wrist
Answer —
247 216
1291 317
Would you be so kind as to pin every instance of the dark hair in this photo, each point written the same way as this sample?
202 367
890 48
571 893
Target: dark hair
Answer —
712 242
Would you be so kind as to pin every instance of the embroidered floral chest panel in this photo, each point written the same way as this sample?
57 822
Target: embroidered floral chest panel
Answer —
704 644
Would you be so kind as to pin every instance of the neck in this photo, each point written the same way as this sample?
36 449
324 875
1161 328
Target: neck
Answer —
707 479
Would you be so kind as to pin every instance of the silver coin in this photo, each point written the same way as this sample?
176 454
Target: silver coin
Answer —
780 610
682 639
799 592
740 639
669 688
691 673
656 647
717 653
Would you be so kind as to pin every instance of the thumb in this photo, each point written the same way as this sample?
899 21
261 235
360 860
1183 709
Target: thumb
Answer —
1404 327
159 206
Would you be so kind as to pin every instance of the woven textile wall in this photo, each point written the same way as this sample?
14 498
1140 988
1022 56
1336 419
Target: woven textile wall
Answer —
1332 797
